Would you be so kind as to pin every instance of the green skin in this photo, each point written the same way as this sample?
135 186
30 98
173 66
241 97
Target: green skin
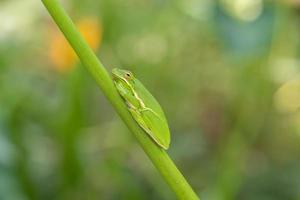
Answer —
143 106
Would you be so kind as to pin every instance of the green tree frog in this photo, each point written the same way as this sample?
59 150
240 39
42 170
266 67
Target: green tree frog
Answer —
143 107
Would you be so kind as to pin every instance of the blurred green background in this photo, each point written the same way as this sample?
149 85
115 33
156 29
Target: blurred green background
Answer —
226 73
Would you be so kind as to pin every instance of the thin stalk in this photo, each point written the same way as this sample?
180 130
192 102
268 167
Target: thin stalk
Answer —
157 155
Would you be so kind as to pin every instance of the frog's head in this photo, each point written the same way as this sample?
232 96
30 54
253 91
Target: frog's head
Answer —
123 80
122 75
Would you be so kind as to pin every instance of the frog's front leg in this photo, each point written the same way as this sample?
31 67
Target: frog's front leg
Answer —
129 97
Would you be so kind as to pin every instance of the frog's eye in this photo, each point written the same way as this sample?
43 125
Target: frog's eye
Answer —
128 75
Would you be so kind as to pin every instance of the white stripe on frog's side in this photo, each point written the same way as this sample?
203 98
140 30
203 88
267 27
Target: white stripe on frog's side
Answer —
142 104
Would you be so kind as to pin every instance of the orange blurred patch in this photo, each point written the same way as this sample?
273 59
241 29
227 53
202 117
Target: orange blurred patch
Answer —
91 31
61 53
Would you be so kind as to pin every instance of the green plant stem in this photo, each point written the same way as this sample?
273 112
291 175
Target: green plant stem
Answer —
158 156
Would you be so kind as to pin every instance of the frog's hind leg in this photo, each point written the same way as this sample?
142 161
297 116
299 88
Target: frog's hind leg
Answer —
159 128
138 118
